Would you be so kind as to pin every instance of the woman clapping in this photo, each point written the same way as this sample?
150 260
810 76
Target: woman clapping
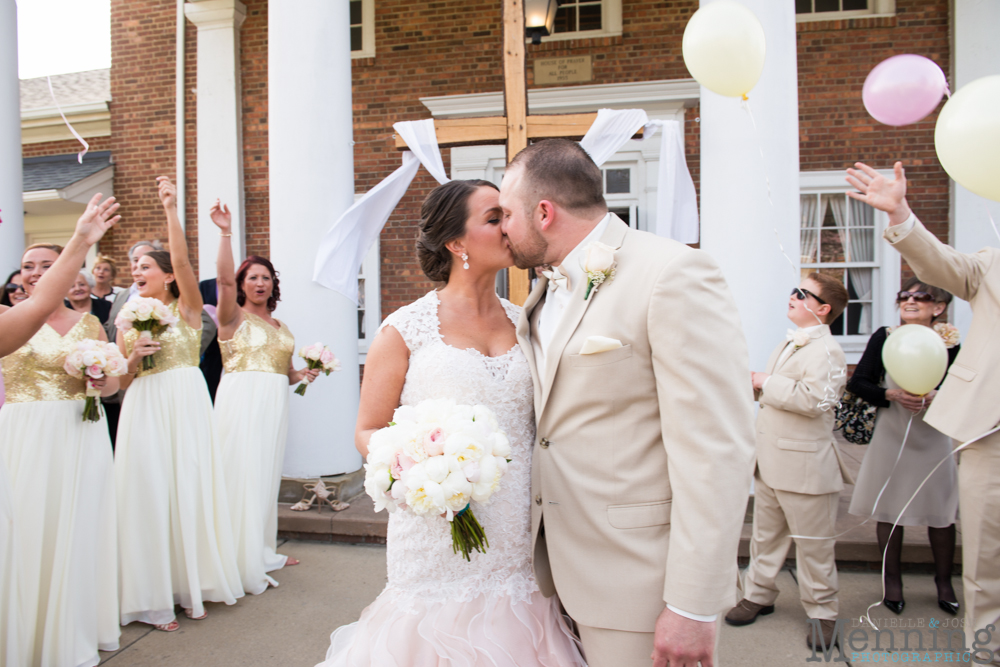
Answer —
175 533
257 354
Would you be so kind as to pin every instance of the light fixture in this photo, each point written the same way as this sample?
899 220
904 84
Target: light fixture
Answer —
539 19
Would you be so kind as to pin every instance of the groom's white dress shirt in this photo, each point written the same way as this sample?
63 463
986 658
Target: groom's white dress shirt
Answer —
546 317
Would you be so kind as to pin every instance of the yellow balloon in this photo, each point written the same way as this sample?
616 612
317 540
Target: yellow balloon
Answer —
915 358
967 137
724 48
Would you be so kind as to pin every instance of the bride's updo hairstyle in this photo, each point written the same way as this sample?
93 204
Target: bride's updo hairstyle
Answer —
442 219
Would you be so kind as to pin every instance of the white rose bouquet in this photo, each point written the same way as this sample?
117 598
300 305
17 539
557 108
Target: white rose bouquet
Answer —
149 316
317 356
93 359
434 459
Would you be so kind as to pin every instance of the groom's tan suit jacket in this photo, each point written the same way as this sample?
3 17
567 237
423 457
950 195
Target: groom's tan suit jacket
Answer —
795 446
643 454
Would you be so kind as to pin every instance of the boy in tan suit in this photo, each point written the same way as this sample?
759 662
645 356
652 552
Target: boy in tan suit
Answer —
968 405
799 473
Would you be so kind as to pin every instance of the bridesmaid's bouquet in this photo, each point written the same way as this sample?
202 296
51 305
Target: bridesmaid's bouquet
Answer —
93 359
317 356
434 459
149 316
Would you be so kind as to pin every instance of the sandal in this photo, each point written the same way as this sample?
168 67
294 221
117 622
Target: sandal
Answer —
172 626
189 614
328 496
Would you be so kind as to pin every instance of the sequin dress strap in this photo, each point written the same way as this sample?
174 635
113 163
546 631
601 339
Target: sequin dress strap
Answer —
180 346
258 346
35 371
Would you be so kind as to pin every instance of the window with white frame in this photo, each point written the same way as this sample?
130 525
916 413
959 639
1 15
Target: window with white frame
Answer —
828 10
369 301
362 28
841 237
578 19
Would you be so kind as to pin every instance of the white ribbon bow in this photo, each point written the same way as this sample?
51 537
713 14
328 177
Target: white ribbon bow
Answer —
556 279
799 337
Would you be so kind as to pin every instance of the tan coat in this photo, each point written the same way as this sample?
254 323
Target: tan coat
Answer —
795 447
969 401
643 457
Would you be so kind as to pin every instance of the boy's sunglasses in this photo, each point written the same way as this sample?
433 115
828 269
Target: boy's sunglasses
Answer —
923 297
801 295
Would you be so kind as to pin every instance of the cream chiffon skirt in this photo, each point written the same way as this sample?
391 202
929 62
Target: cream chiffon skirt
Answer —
62 488
251 412
175 536
10 613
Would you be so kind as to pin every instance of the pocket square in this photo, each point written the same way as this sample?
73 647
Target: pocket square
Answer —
595 344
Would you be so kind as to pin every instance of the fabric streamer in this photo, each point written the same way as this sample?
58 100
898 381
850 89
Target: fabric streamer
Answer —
86 146
344 246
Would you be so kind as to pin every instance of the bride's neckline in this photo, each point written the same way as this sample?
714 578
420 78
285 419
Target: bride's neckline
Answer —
471 350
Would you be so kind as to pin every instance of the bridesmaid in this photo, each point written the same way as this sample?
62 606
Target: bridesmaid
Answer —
62 490
176 540
257 356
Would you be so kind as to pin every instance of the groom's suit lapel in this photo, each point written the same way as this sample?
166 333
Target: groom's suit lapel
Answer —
524 333
613 236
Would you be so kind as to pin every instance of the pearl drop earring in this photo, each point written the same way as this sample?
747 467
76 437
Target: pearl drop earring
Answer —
465 258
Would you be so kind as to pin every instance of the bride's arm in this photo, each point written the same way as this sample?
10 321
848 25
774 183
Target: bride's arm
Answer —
385 373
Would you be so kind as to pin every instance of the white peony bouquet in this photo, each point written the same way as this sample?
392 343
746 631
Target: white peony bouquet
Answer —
94 359
148 315
434 459
318 356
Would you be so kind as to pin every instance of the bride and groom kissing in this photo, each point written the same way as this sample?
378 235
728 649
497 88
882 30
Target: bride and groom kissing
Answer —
622 388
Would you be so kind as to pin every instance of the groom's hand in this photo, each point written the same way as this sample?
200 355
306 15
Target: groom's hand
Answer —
682 642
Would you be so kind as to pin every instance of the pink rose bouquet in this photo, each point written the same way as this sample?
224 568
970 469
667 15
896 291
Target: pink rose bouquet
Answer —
317 356
93 359
149 316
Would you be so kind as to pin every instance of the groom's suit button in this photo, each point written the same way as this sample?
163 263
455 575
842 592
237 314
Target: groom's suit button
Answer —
538 499
543 443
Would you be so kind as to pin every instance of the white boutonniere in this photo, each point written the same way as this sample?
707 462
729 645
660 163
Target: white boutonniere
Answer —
948 332
799 338
599 266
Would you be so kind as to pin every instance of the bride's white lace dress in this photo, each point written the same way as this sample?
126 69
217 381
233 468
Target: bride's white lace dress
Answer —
438 608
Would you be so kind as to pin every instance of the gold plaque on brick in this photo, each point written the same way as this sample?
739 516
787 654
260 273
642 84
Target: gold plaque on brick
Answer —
563 70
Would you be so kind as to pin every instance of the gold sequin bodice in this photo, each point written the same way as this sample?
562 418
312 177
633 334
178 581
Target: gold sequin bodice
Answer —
35 371
258 346
180 346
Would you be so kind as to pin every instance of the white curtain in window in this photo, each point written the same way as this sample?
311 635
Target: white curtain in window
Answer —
810 234
859 246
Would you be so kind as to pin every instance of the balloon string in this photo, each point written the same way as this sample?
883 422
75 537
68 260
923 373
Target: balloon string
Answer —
86 146
992 221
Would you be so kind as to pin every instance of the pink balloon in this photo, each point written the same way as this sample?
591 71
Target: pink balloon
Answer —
903 89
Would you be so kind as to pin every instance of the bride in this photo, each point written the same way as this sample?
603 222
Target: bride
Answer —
458 342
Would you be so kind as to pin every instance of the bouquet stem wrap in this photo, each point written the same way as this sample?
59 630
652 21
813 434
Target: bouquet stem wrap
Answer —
92 406
467 534
146 331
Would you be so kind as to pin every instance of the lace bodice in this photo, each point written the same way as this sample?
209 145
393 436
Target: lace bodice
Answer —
420 559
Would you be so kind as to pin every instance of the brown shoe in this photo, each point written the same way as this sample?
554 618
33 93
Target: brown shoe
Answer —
746 612
829 638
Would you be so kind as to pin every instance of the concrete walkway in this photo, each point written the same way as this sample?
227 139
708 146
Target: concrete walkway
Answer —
290 625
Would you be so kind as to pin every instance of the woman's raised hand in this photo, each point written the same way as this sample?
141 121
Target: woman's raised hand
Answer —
167 191
97 219
221 216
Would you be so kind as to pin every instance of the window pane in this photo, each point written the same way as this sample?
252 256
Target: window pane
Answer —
624 214
590 17
617 181
850 5
355 12
809 234
827 5
803 6
356 40
831 246
565 19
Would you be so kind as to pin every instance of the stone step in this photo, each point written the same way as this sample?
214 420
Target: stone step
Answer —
359 523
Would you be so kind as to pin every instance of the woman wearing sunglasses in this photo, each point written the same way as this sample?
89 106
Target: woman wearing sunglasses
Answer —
936 505
13 292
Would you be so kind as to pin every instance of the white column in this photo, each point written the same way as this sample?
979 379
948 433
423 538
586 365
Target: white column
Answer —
977 54
311 184
737 220
11 184
220 127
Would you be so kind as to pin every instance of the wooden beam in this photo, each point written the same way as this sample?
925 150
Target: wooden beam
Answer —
493 129
515 83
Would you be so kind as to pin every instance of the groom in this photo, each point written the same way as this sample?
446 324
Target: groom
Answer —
643 455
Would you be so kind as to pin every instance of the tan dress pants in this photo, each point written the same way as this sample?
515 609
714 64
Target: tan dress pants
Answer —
979 510
617 648
777 515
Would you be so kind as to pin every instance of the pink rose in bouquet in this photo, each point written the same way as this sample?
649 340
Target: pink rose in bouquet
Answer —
317 356
149 316
93 360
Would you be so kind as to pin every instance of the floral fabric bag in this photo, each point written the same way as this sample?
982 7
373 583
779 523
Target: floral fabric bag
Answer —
856 417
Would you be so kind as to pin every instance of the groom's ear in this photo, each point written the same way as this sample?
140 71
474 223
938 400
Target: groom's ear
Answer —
545 211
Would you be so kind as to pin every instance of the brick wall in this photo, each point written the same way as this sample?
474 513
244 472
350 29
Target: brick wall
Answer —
834 57
67 147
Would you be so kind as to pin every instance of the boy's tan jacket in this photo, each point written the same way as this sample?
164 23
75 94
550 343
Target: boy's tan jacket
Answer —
643 455
795 446
968 403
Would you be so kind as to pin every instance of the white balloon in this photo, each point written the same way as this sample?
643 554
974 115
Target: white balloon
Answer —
967 137
915 357
724 48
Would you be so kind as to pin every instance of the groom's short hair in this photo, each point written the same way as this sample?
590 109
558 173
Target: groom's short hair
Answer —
562 172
